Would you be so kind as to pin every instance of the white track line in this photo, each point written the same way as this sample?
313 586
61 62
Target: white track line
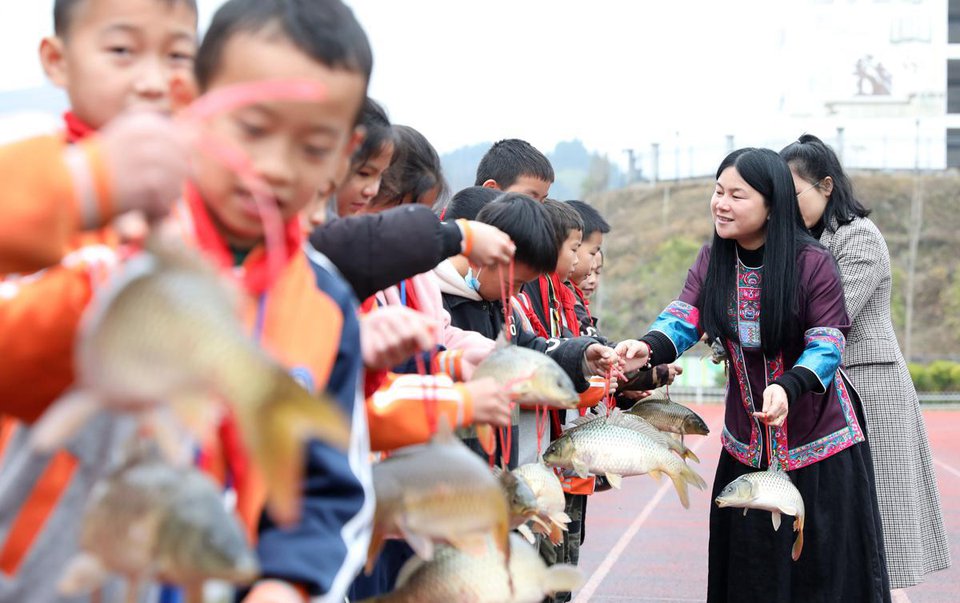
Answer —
584 594
947 467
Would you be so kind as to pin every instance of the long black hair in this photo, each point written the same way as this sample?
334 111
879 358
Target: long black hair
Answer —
770 176
814 160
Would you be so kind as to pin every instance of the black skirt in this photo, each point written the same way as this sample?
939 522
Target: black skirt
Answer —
843 558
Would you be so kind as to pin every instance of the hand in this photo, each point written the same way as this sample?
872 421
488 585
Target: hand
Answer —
466 369
636 354
600 360
774 406
147 159
491 402
636 395
392 334
274 591
672 371
490 245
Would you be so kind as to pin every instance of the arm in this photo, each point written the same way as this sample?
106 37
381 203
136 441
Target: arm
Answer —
374 251
397 412
861 254
51 193
677 329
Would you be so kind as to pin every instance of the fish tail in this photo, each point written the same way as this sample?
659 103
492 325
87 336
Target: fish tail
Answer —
798 544
692 477
277 431
681 486
376 545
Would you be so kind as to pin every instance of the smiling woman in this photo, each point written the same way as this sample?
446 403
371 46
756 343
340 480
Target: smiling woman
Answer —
772 297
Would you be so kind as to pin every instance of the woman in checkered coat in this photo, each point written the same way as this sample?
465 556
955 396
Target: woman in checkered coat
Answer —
914 535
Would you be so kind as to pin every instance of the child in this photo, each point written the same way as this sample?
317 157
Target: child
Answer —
514 166
474 300
415 175
591 283
111 56
467 203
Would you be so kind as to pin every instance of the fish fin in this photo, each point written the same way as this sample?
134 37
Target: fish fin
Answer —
798 544
540 523
408 570
84 573
680 484
692 477
277 434
615 479
655 474
688 454
788 510
560 518
487 437
562 578
373 551
775 516
421 545
474 543
745 509
64 418
580 468
527 533
584 420
556 534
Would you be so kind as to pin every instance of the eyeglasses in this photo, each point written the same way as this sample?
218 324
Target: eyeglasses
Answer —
811 187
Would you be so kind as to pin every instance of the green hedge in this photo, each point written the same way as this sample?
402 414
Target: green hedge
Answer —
938 376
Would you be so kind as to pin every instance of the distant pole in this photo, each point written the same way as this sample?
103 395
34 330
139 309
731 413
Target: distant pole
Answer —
655 163
631 166
729 143
676 156
916 225
840 143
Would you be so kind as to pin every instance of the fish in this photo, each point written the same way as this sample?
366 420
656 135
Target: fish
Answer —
437 492
550 519
769 490
531 377
455 576
667 415
643 426
613 446
166 330
521 500
148 519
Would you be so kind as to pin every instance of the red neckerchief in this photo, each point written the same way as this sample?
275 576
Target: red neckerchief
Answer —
535 323
413 302
255 274
566 303
583 300
77 130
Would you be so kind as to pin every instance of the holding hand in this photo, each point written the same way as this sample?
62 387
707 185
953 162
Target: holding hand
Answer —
635 354
601 360
491 402
775 406
392 334
486 245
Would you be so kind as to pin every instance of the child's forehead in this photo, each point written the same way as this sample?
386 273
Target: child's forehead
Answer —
130 15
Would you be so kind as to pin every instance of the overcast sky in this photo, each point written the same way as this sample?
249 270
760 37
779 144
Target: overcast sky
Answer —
614 73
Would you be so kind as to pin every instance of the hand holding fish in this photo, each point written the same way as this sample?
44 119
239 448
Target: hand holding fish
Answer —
392 334
775 406
491 402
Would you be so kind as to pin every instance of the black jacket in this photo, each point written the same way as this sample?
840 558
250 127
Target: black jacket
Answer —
375 251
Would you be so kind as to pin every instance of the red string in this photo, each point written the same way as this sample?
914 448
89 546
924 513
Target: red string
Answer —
429 393
608 398
506 298
542 414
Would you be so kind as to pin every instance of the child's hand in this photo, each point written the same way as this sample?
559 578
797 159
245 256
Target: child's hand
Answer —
490 246
636 354
392 334
600 360
147 160
491 402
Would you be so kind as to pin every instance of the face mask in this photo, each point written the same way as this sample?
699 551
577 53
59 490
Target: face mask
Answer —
472 280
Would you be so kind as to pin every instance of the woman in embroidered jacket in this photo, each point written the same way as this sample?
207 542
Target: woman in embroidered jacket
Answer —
914 536
772 295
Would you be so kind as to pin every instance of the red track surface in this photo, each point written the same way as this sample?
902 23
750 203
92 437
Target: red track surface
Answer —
641 545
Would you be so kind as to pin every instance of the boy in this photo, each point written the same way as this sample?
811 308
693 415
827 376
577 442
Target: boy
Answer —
474 301
594 227
514 166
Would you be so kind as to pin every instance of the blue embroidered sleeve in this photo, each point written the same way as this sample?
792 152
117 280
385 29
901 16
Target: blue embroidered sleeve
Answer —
822 354
680 322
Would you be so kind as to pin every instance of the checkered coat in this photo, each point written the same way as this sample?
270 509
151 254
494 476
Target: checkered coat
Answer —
914 536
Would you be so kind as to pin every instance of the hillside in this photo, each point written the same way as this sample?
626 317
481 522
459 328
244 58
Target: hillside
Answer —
658 231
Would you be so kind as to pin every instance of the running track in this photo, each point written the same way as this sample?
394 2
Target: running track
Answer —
642 546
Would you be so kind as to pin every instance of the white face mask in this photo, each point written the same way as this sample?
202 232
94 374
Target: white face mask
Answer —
472 280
